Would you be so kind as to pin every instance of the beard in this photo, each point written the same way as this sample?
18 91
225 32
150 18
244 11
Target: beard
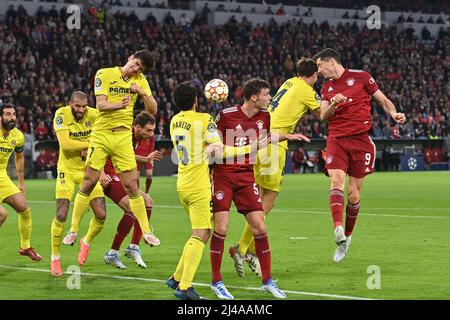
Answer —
8 125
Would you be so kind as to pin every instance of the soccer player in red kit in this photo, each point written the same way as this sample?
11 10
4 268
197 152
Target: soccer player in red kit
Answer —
143 149
346 106
234 181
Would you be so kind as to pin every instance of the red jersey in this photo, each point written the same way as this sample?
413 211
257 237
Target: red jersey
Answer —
109 168
352 116
143 147
238 130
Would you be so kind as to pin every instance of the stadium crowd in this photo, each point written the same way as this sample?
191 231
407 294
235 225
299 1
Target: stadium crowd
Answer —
42 63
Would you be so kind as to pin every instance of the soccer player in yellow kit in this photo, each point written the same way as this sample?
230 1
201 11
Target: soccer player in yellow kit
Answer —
194 135
12 140
293 99
116 90
73 126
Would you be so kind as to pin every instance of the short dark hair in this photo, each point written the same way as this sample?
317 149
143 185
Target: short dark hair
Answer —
146 58
254 87
5 106
185 94
327 54
306 67
144 118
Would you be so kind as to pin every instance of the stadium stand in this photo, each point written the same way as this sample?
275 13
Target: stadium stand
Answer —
42 63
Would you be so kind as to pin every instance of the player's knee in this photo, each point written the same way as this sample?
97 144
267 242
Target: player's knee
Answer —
353 196
221 228
3 215
61 216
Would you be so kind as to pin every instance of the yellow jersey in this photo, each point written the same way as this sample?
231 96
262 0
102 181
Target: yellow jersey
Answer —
70 160
12 143
191 132
293 99
111 83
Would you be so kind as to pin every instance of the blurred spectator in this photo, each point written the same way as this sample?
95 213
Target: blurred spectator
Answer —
41 131
47 161
308 13
280 11
299 161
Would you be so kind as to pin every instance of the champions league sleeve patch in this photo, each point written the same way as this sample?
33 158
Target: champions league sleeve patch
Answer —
98 84
212 127
317 97
59 122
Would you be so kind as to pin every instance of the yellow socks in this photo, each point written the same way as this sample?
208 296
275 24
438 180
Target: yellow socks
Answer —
137 205
25 228
57 230
192 256
95 226
179 270
80 207
244 241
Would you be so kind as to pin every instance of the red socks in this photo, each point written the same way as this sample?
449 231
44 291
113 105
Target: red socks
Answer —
123 228
264 255
216 253
337 206
352 211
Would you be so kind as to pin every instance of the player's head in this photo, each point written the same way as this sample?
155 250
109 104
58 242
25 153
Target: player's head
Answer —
8 113
328 60
307 69
78 103
257 92
140 61
186 96
144 125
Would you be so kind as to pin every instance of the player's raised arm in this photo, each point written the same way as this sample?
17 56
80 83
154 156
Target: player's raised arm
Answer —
327 109
149 101
389 107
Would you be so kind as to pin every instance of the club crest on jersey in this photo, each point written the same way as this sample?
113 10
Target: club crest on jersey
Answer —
13 143
260 124
350 82
219 195
87 124
329 159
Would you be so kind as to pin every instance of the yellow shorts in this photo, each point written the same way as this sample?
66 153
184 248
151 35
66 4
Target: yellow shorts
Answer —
67 182
199 207
117 144
269 168
7 187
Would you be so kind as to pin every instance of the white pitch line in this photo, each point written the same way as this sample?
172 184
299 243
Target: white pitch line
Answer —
194 283
298 238
313 211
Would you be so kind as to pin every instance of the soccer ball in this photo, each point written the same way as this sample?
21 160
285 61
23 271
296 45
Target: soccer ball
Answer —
216 90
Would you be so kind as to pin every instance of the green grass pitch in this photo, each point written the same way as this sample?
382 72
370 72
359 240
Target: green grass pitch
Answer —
403 231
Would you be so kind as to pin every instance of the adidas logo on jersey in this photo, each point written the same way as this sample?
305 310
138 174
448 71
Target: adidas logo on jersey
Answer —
238 127
330 89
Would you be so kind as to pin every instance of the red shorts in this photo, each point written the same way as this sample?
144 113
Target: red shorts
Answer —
239 187
148 165
115 190
353 154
